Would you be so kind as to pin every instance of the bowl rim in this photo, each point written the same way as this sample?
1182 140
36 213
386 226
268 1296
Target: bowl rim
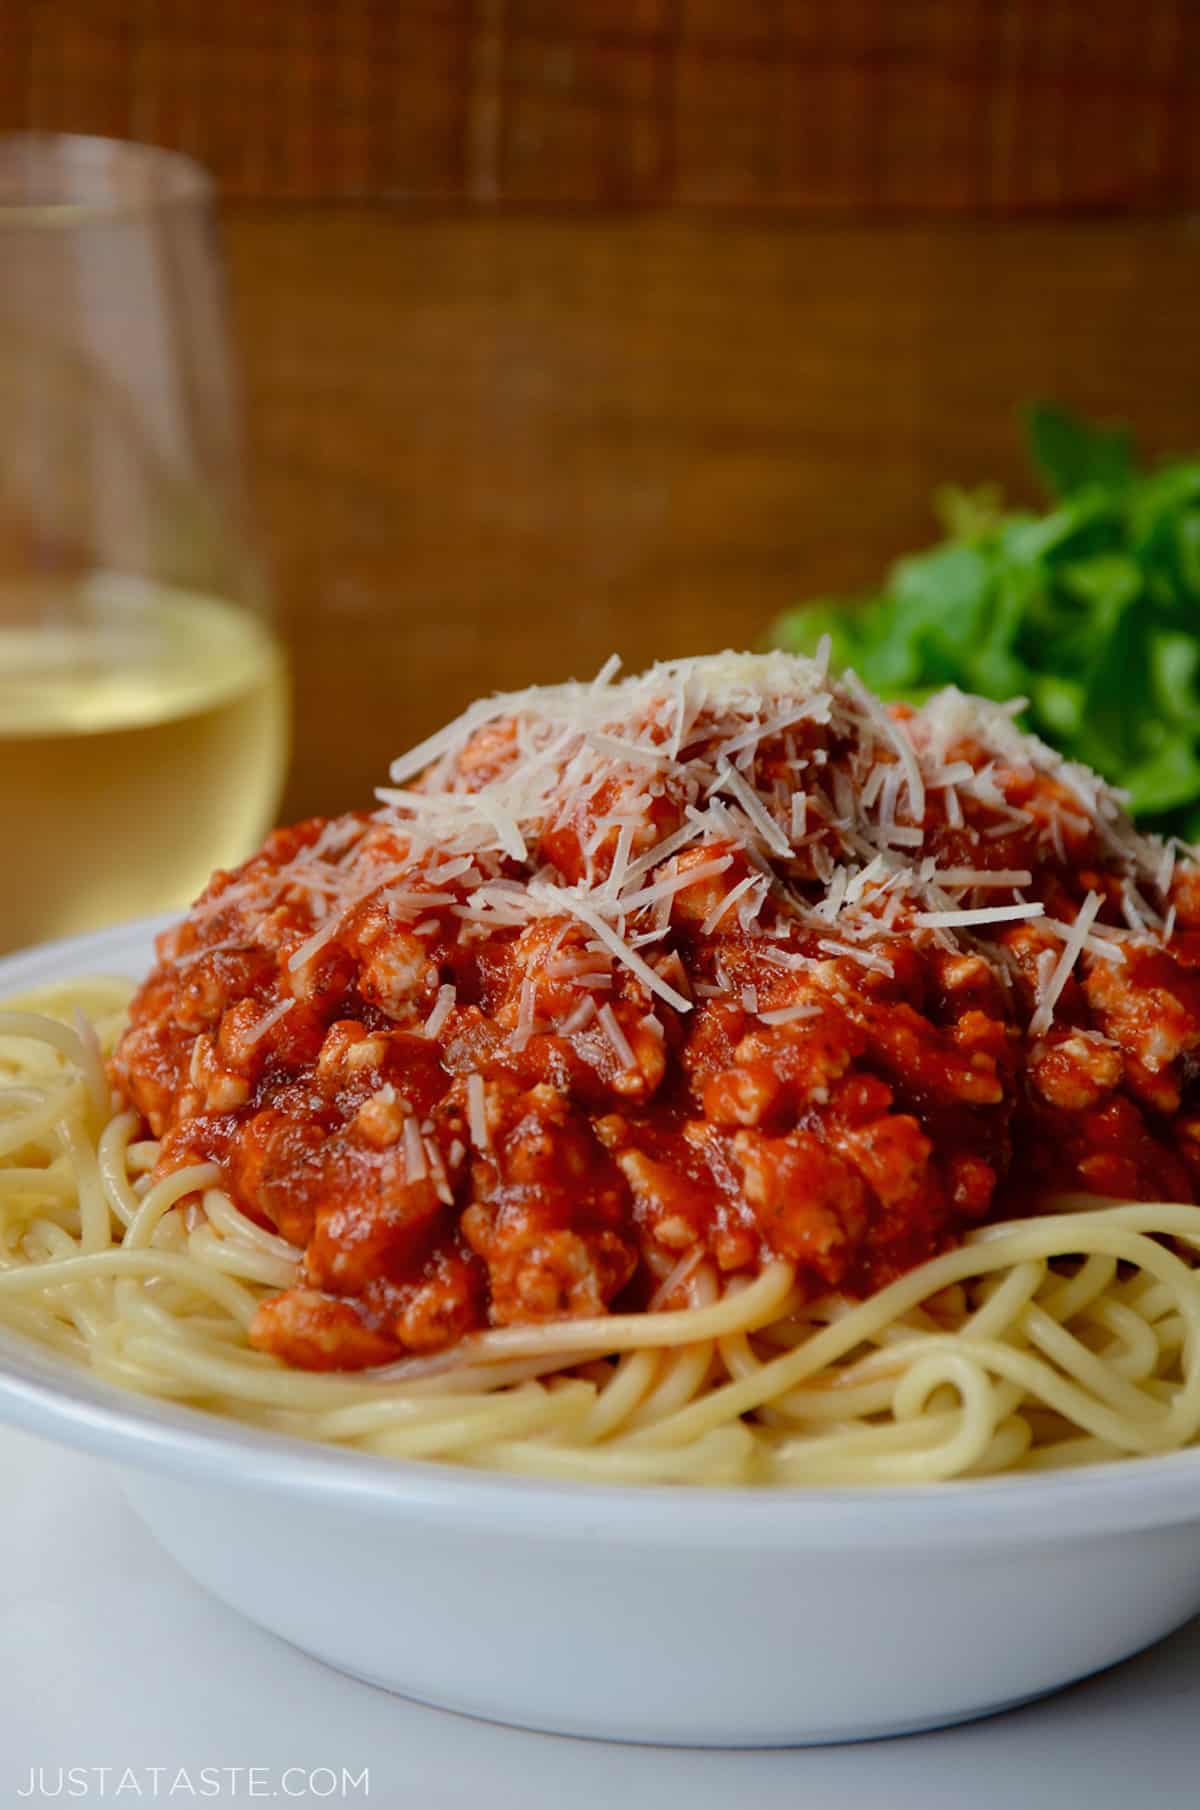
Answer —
45 1395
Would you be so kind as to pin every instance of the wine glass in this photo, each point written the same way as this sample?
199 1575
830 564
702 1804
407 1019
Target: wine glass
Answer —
143 695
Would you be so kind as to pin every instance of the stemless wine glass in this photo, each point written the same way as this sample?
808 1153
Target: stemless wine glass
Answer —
143 696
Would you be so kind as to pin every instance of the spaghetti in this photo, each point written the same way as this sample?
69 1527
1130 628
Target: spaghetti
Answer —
1062 1339
710 1076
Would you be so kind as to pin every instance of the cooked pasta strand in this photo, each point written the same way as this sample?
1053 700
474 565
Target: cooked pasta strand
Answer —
1067 1338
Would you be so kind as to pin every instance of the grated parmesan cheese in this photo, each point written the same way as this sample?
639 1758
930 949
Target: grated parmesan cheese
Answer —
576 802
416 1166
725 904
477 1112
730 780
985 914
981 876
442 1009
791 1014
1048 998
578 1018
673 883
610 1025
525 1015
571 901
270 1020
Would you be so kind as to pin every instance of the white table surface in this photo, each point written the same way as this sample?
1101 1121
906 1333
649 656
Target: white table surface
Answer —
111 1657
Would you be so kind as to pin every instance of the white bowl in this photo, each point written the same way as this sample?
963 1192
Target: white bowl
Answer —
724 1617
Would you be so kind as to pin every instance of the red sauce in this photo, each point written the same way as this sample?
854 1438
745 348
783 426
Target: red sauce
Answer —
902 1104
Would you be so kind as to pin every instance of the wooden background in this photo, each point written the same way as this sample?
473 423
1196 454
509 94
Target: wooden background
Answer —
572 325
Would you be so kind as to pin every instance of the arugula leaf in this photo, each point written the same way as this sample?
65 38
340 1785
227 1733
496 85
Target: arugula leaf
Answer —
1070 453
1090 611
1165 783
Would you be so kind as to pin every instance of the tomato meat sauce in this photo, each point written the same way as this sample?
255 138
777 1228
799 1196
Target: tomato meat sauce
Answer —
714 967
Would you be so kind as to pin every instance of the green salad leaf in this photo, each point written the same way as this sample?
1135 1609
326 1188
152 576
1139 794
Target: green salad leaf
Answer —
1070 453
1090 611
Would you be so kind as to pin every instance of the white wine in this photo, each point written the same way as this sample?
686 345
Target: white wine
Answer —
143 742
